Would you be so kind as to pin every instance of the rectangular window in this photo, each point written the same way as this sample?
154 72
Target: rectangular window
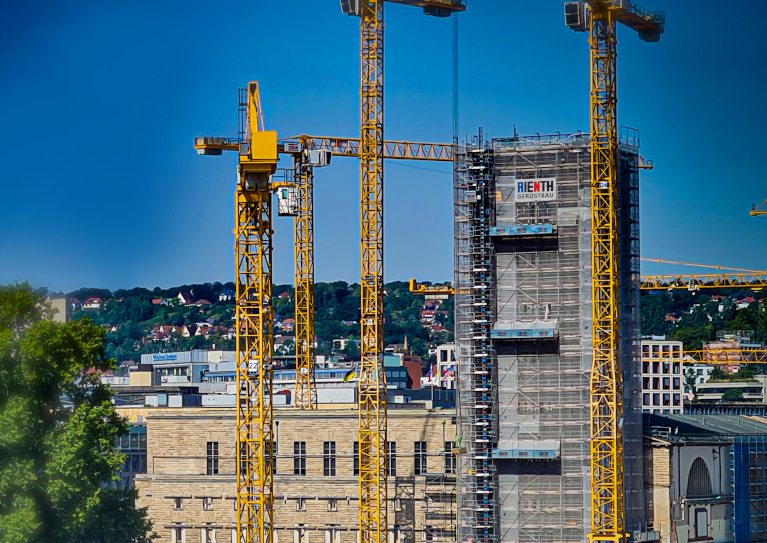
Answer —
677 400
207 535
177 535
676 367
212 457
701 523
329 458
356 467
443 356
301 504
666 399
332 505
666 383
677 383
272 453
299 458
391 458
656 383
178 503
656 399
645 399
449 457
420 458
646 383
135 462
656 367
207 504
645 367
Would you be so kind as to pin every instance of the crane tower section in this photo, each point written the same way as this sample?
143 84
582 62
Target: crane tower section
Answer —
253 310
600 19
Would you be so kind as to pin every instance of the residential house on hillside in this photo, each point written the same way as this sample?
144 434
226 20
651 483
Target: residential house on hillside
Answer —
226 295
159 301
185 298
201 303
283 296
93 303
428 315
75 304
287 324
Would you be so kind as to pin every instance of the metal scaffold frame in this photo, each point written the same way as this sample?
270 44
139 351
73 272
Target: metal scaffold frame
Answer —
474 201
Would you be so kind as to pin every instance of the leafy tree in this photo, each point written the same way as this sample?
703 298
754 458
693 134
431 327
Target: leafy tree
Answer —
732 395
690 380
351 350
746 371
58 457
717 374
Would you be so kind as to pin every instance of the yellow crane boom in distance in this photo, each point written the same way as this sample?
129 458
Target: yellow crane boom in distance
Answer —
754 279
434 292
760 210
713 356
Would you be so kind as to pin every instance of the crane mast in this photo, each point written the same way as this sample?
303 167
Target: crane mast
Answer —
372 430
303 237
258 156
606 386
600 18
372 378
253 310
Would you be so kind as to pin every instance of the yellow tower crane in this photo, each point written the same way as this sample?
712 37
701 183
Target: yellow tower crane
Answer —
760 210
600 18
373 524
258 157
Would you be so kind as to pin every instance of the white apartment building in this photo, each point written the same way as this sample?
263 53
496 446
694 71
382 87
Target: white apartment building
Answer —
662 376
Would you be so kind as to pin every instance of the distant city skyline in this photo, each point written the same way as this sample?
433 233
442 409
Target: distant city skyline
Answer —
103 189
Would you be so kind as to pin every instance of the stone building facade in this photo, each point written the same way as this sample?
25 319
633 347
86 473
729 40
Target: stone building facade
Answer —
190 484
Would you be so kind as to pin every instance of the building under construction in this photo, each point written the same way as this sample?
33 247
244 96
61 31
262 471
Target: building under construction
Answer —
523 334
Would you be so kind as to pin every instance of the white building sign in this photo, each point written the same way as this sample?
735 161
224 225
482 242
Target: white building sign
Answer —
536 190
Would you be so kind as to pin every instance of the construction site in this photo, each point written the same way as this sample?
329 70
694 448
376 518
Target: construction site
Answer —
546 441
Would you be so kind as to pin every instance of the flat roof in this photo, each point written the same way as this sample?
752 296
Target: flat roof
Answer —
701 426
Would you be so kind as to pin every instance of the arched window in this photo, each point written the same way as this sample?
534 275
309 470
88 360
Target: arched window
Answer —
699 480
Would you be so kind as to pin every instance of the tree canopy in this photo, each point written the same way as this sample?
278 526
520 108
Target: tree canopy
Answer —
58 430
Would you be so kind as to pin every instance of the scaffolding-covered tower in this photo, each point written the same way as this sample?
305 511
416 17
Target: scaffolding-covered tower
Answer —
474 189
539 351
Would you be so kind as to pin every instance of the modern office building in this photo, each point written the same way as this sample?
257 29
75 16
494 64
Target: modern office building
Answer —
662 376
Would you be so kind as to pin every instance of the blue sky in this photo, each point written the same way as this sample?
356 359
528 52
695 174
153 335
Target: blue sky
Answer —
101 101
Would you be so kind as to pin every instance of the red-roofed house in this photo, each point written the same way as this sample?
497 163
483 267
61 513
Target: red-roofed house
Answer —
92 303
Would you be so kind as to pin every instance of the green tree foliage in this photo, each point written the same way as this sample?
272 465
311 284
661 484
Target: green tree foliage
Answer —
746 371
717 374
57 432
690 380
732 395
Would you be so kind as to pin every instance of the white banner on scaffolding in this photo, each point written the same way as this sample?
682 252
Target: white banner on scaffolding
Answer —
535 190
